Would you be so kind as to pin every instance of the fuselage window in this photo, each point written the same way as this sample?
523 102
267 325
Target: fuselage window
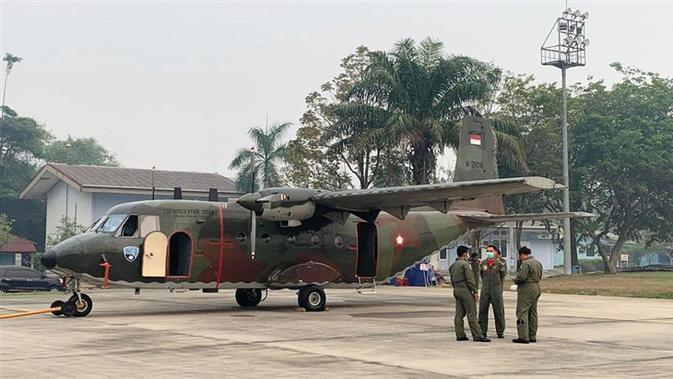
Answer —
339 241
130 228
180 254
148 224
240 237
315 240
111 223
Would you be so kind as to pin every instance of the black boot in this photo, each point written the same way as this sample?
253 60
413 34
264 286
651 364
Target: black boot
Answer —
520 340
482 339
462 339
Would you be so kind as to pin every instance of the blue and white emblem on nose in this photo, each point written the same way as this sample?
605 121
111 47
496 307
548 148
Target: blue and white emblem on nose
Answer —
131 253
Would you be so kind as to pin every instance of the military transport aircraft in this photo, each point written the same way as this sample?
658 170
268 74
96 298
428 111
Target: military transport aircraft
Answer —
292 238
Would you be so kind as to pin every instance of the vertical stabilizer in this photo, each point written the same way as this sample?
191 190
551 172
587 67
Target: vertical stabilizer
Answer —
476 160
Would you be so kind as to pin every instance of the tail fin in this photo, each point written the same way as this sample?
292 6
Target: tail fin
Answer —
476 160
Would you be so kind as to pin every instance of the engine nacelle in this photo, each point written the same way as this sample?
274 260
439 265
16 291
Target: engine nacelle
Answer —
287 213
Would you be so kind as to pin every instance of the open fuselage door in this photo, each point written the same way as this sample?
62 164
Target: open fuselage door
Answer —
367 256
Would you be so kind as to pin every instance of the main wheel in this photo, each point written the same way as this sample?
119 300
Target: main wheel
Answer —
82 308
57 304
312 298
248 297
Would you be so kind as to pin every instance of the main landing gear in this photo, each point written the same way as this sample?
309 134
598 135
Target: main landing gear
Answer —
78 305
312 298
248 297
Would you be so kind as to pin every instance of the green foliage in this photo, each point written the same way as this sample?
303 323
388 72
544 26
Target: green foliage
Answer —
85 151
421 94
65 229
5 229
622 160
269 153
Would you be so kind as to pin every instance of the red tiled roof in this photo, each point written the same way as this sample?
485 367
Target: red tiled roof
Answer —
19 245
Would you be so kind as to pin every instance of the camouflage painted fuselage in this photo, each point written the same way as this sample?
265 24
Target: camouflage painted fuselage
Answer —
318 251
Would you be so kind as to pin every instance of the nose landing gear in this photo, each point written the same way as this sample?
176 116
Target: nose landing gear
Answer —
78 305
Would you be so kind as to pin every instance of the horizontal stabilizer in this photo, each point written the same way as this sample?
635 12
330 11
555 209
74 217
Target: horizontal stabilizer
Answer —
496 219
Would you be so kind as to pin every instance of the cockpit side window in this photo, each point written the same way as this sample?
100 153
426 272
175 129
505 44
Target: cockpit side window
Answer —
148 224
130 228
111 223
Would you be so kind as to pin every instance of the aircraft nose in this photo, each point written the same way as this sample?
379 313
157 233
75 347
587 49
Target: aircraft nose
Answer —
249 201
48 260
67 255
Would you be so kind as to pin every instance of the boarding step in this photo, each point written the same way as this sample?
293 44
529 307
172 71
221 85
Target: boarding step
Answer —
366 285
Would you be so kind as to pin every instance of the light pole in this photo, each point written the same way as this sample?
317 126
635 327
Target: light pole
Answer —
565 47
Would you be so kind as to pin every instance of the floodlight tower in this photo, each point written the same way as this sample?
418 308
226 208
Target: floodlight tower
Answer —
565 47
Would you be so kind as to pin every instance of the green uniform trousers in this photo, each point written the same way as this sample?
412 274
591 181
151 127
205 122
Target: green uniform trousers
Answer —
492 296
526 310
465 306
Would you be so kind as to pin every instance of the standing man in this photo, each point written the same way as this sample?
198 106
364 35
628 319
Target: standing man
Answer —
465 293
492 274
527 295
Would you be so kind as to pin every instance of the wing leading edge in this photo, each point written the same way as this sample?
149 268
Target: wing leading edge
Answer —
398 200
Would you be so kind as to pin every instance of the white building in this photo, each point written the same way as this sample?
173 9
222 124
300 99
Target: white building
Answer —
85 193
534 235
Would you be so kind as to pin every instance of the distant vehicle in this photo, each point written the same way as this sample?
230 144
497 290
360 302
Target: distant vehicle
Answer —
17 278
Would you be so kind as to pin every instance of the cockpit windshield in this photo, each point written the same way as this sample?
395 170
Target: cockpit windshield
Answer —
95 225
111 223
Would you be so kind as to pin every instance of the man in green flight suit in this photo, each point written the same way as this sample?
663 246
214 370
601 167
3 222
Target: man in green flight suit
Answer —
527 295
492 273
465 293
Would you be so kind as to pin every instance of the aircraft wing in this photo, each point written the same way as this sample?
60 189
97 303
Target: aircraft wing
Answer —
398 200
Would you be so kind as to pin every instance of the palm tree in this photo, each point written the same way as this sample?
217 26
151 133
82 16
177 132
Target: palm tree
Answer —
425 94
268 154
10 59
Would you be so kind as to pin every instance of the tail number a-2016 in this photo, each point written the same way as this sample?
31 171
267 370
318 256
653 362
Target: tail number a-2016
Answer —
474 164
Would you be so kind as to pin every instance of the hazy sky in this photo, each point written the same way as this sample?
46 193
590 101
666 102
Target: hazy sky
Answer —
178 84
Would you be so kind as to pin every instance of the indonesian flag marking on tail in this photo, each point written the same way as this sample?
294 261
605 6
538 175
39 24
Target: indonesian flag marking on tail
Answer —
475 139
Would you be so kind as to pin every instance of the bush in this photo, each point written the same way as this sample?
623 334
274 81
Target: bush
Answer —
591 265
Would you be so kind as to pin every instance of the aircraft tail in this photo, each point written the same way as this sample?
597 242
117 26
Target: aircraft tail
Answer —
476 160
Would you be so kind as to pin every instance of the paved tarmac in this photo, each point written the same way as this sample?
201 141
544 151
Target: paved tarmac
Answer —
396 333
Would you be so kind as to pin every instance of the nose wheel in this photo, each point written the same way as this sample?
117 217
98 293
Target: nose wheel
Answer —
82 304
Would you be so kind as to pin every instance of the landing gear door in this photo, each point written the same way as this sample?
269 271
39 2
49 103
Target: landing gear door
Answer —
154 256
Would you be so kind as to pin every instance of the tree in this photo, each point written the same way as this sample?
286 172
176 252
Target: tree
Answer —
5 230
79 151
65 229
333 133
269 153
10 60
532 113
623 161
422 94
